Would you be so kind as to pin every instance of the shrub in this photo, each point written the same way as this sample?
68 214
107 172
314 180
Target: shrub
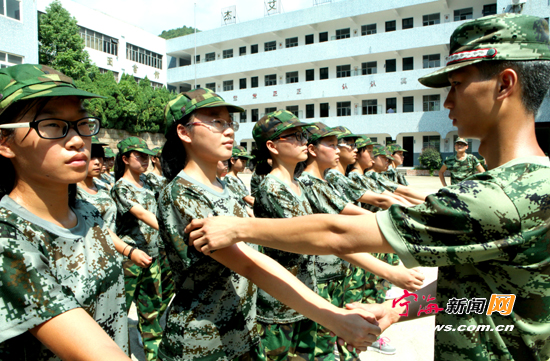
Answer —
430 158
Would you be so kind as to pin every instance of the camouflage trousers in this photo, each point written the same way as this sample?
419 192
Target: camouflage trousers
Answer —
256 353
290 341
353 288
332 291
167 283
143 285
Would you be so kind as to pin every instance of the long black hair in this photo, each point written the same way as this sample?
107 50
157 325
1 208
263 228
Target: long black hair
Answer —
174 157
120 166
261 155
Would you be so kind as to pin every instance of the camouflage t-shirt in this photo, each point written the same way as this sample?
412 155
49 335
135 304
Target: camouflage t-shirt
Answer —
238 188
276 200
255 181
461 169
488 235
367 184
46 270
130 229
212 316
103 202
324 198
155 182
384 184
349 189
393 175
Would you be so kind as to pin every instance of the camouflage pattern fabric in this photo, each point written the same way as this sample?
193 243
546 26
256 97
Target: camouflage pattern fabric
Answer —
107 178
167 283
237 186
332 291
134 144
255 181
273 124
103 202
351 191
488 235
130 229
46 270
155 182
144 286
394 176
240 152
384 184
461 169
367 184
276 200
213 314
290 341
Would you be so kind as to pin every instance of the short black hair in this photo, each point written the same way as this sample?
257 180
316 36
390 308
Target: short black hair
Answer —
534 79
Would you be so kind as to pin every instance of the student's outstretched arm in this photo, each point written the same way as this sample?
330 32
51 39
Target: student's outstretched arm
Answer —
145 216
139 257
378 200
356 328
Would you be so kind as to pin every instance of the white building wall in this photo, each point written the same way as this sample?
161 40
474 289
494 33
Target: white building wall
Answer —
20 37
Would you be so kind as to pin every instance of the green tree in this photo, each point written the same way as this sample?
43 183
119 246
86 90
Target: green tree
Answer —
174 33
430 158
60 45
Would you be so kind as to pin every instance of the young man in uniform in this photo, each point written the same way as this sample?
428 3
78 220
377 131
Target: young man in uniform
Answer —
462 165
489 235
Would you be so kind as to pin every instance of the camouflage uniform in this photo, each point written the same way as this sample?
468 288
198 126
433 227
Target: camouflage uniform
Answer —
103 202
461 169
237 186
255 181
212 316
367 184
155 182
394 176
47 270
142 284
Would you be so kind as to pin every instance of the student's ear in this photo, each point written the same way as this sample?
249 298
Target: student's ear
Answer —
183 133
125 159
271 147
507 83
233 160
5 149
311 150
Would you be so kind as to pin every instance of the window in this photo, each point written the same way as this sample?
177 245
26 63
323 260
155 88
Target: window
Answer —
210 57
142 56
490 9
430 103
433 141
292 77
391 105
11 9
431 61
242 50
323 73
369 29
254 49
464 14
271 79
368 68
310 110
227 85
391 25
342 34
9 59
197 58
309 39
323 107
310 74
254 115
370 106
242 83
323 37
431 19
391 65
270 110
407 23
408 104
343 109
211 86
254 82
408 64
94 40
343 71
291 42
270 45
243 117
293 109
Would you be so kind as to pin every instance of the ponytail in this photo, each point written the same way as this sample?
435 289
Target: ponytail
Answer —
120 166
261 155
174 157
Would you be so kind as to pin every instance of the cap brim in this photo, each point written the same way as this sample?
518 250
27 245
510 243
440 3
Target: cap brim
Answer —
143 150
245 156
440 78
63 91
350 135
230 107
290 126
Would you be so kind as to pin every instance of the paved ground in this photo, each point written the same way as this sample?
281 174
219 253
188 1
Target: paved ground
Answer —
412 339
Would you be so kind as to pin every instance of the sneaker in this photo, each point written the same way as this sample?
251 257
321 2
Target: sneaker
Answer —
383 346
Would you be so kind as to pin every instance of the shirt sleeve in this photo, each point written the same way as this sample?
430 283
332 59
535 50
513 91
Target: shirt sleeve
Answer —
460 224
323 199
124 197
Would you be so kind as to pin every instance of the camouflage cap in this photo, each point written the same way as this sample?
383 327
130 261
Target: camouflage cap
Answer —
109 153
510 37
461 140
273 124
28 81
364 141
158 151
381 150
188 102
319 130
396 148
95 140
240 152
133 144
344 132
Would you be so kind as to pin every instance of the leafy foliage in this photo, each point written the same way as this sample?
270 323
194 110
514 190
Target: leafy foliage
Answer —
174 33
430 158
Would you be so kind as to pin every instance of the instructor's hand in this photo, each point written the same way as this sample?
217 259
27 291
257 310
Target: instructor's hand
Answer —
358 328
210 234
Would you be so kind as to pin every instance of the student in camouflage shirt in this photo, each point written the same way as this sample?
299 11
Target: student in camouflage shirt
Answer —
461 165
61 282
489 234
397 159
237 164
137 226
108 163
213 315
154 179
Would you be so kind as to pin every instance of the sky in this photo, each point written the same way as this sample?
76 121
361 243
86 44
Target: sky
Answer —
155 16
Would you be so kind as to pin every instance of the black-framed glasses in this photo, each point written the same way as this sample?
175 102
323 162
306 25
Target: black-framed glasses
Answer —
299 136
217 125
53 128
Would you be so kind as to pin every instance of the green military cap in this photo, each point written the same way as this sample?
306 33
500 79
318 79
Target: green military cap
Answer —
95 140
381 150
319 130
510 37
396 148
240 152
364 141
273 124
461 140
188 102
158 151
109 153
28 81
344 132
134 144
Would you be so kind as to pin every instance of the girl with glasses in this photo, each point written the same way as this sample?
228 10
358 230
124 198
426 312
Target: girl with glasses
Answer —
213 314
60 275
137 226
